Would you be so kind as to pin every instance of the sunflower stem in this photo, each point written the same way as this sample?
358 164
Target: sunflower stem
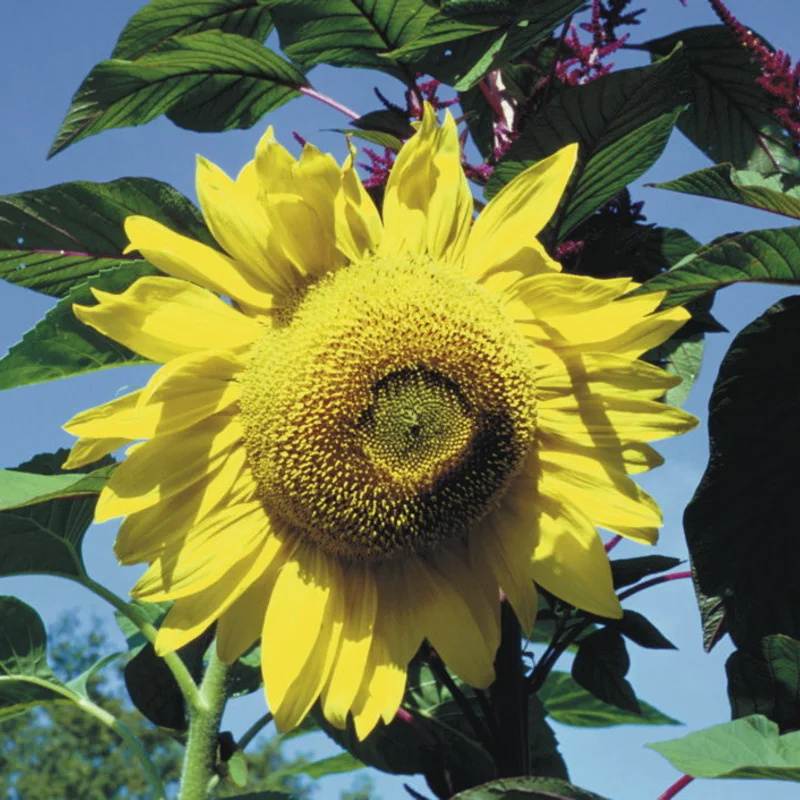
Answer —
174 662
254 730
510 699
201 747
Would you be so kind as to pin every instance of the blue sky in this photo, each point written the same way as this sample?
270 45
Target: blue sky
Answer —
48 46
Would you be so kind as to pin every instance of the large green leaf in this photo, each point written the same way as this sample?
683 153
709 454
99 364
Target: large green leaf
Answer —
46 538
25 678
209 81
626 571
766 680
569 703
744 187
768 256
527 789
54 239
20 489
729 119
333 765
60 346
750 747
741 523
621 122
350 33
160 20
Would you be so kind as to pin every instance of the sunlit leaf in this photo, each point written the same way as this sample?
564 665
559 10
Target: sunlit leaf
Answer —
527 789
750 747
209 81
53 239
19 489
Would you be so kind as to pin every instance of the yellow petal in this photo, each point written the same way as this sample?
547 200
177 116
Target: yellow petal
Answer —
240 626
295 641
186 258
570 561
191 615
449 625
427 206
240 224
630 457
207 550
354 644
358 223
86 451
545 296
518 212
502 277
92 422
166 465
162 318
144 535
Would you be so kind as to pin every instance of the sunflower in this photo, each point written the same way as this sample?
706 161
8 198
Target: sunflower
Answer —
369 425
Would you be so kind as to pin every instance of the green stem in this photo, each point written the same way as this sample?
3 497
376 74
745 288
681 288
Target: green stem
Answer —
130 738
254 730
173 661
198 763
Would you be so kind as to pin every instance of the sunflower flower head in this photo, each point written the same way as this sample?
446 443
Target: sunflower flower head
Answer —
391 419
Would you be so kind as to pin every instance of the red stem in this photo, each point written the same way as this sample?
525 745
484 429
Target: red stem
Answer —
612 543
673 576
676 787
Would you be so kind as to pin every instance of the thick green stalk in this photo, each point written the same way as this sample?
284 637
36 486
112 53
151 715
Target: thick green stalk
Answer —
201 747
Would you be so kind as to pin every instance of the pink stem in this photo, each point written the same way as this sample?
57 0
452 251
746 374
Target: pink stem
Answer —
673 576
612 543
329 101
679 784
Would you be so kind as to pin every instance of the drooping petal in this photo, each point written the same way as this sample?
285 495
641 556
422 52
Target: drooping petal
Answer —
569 560
86 451
358 224
518 213
182 257
162 318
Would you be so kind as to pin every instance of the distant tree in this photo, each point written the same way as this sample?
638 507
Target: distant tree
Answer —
60 753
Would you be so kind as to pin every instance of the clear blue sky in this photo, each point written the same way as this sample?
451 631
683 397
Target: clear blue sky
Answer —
48 46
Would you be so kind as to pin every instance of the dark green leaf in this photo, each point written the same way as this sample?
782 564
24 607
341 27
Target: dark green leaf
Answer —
664 248
746 188
768 256
600 666
19 489
391 121
569 703
60 346
210 81
25 678
527 789
544 758
639 629
740 525
244 676
53 239
729 119
160 20
374 137
350 33
626 571
621 122
46 539
766 680
750 747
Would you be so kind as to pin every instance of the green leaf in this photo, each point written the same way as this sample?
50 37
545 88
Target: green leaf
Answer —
53 239
639 629
766 680
768 256
80 684
60 346
350 33
19 489
621 122
46 538
600 666
25 678
160 20
730 118
569 703
334 765
750 747
544 758
682 357
245 675
237 769
626 571
747 188
527 789
209 81
740 525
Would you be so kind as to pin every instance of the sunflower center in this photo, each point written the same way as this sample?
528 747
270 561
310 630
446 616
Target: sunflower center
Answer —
388 410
